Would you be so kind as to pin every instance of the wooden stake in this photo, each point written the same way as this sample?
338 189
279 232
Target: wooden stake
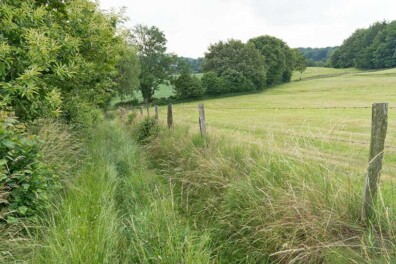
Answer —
379 124
170 116
141 110
202 125
156 112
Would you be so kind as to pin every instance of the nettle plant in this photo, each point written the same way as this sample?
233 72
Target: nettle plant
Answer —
24 177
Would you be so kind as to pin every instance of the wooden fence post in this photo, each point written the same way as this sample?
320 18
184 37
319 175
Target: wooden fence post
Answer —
141 110
170 116
379 124
148 110
202 125
156 112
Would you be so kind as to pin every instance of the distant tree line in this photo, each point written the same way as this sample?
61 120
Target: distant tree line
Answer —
317 57
371 48
234 67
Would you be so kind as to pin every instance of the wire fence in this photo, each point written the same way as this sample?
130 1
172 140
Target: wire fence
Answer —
294 135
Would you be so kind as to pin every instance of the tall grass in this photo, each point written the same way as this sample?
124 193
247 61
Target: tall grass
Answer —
117 212
260 206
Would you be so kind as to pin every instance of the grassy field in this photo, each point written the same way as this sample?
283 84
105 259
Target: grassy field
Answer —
316 133
277 180
280 177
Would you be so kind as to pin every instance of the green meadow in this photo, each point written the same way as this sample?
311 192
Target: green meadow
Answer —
290 117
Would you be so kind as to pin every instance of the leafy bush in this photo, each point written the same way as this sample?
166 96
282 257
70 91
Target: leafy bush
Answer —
235 81
146 129
188 86
60 61
212 84
24 178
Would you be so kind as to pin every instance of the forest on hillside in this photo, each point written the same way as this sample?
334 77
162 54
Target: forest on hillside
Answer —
369 48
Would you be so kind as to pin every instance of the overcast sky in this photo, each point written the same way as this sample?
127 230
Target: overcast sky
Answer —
191 25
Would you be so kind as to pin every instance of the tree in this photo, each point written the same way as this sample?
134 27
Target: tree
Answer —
300 62
155 63
129 71
277 58
371 48
238 63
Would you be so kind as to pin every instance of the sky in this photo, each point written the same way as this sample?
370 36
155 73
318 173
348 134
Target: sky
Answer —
190 26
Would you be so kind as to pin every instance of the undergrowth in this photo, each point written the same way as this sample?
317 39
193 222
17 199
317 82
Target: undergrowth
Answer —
116 211
262 207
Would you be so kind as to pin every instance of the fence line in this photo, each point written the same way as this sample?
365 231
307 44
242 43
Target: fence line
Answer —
280 108
379 126
356 142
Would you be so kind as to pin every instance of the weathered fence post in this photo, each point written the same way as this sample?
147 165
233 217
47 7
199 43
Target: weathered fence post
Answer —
170 116
156 112
141 110
202 125
379 124
148 109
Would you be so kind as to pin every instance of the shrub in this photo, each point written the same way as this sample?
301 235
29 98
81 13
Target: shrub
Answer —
24 177
212 84
146 129
58 63
235 81
188 86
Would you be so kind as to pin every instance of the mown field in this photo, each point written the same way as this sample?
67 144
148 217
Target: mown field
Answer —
334 134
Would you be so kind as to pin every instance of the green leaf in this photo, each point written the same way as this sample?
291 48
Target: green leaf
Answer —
22 210
8 144
12 220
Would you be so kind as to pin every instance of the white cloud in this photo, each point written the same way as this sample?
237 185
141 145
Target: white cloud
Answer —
191 25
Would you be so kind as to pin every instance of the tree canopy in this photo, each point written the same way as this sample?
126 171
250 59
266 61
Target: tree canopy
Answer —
317 57
371 48
239 64
278 58
155 62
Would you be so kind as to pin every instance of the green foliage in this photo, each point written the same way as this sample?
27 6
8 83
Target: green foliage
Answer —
299 60
238 63
54 54
235 81
155 62
188 86
278 58
195 64
212 84
25 180
117 211
371 48
317 57
129 70
146 129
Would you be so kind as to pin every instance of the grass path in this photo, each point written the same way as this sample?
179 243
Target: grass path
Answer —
118 212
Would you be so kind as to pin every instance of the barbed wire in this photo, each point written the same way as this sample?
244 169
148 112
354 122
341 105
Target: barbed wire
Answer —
291 135
360 142
280 108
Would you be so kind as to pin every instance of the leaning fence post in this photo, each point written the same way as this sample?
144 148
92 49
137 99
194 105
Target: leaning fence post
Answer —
379 124
170 116
141 110
156 112
202 125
